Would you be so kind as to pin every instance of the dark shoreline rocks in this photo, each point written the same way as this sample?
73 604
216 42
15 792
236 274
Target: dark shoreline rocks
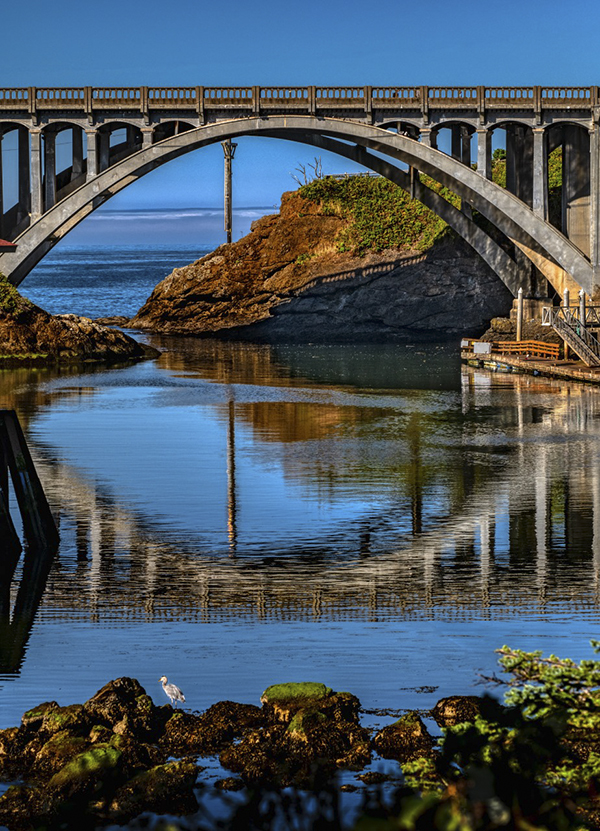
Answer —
30 335
119 754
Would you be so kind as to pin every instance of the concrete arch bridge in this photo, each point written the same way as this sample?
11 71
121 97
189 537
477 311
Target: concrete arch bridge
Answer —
110 137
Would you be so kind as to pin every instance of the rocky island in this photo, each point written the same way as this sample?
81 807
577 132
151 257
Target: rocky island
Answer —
344 260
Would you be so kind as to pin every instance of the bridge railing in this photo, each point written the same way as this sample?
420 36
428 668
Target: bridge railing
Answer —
59 98
116 97
288 97
225 97
340 97
14 98
168 97
508 97
396 97
458 97
254 98
567 97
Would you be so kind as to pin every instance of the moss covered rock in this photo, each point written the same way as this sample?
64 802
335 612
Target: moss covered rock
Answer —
405 739
281 701
87 772
167 788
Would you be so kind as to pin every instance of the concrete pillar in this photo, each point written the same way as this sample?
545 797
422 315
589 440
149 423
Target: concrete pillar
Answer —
1 193
24 175
519 162
104 140
49 170
576 186
77 169
131 136
92 154
595 201
456 142
520 315
484 153
37 202
465 146
147 136
540 172
428 138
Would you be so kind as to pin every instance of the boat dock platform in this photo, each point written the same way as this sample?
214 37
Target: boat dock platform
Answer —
531 357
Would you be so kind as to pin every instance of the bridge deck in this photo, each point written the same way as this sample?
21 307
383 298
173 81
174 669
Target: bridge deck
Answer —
477 100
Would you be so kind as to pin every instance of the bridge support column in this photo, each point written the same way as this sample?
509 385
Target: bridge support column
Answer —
37 201
1 196
461 151
24 176
92 154
147 136
104 150
77 168
540 172
484 153
519 162
576 186
428 138
49 170
595 202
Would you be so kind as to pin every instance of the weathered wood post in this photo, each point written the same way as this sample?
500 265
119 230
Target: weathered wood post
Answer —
39 527
10 547
228 152
566 307
520 315
582 307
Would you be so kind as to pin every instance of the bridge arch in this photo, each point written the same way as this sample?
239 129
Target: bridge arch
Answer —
542 243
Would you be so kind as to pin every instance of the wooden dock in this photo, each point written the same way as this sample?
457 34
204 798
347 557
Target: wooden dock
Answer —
531 361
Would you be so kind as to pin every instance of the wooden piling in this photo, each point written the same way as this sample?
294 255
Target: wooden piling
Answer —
39 527
10 546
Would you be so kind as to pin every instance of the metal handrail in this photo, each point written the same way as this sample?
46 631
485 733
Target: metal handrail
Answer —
574 333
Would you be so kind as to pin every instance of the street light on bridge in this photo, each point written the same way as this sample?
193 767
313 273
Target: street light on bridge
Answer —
228 152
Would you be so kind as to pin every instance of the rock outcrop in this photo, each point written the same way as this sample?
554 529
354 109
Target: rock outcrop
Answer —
289 281
118 753
28 333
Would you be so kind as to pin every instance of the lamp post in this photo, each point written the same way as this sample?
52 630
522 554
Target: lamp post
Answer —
228 152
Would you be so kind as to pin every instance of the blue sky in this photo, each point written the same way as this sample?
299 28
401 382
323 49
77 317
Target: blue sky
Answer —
266 42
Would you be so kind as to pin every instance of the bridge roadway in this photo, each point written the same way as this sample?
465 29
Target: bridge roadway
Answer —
110 137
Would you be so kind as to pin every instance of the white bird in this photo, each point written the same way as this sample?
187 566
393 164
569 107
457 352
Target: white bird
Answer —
172 691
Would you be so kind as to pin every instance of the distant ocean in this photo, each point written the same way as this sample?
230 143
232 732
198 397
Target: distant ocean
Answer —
111 262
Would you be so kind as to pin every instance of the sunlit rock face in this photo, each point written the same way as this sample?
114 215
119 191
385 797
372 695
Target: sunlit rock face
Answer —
287 281
30 333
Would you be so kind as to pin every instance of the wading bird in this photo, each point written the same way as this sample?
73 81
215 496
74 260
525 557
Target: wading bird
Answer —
172 691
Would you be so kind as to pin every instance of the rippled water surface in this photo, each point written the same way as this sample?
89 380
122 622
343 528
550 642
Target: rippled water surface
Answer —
233 515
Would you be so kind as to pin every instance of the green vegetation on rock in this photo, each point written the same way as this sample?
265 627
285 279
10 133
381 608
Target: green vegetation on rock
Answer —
382 216
11 301
95 762
295 691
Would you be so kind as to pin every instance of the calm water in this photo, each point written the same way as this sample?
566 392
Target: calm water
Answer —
233 515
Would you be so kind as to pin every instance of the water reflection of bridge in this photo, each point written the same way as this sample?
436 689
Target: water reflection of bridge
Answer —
525 539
